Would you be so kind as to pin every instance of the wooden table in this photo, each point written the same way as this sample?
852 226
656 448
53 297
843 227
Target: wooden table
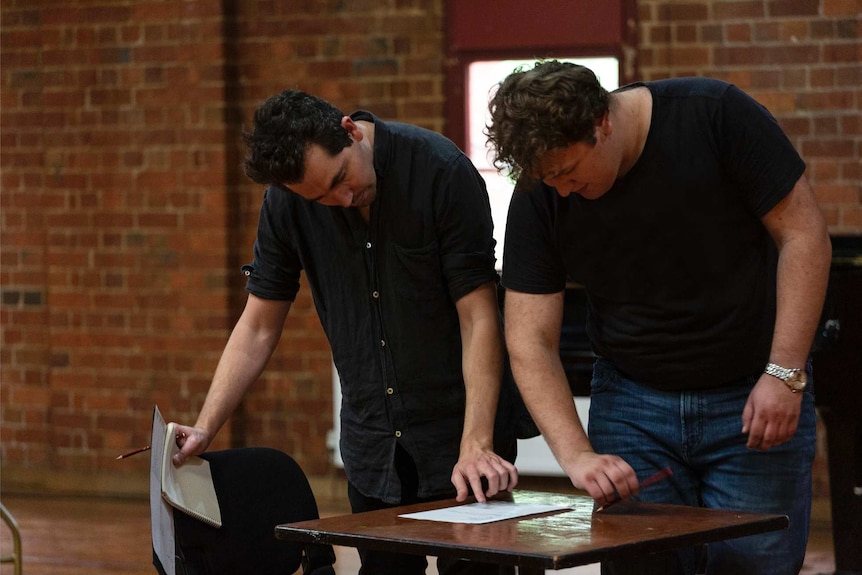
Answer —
555 540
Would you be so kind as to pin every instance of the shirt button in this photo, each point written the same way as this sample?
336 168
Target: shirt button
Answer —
382 343
368 245
375 294
397 434
390 391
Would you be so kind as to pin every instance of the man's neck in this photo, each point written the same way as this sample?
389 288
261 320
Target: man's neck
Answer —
367 132
632 112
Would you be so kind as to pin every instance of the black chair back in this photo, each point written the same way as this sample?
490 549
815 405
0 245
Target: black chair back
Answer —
257 488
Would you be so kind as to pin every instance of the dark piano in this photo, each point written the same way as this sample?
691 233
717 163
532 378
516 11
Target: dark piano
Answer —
838 396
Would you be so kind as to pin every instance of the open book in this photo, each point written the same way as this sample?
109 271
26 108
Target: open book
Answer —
189 487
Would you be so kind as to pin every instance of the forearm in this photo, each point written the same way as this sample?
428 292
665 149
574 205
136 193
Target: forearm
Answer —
245 356
801 235
242 362
481 364
543 385
532 338
803 272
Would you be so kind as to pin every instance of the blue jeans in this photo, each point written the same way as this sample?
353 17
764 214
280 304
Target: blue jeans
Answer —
698 434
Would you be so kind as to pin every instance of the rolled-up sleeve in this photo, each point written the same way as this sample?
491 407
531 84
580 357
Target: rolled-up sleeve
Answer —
274 272
466 230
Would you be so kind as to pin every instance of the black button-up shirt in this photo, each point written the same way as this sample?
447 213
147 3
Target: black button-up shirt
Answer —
385 293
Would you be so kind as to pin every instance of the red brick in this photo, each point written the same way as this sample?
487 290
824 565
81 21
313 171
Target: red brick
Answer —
792 30
832 148
766 32
738 32
842 53
821 77
778 8
738 10
771 56
841 7
837 194
852 171
836 100
851 124
851 217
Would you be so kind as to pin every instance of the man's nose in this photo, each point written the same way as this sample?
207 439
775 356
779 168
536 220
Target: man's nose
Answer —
343 197
564 188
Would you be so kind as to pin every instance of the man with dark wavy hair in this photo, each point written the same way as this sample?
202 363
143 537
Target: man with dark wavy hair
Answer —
683 210
391 224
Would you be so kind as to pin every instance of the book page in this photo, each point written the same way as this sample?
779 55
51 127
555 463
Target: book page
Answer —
189 487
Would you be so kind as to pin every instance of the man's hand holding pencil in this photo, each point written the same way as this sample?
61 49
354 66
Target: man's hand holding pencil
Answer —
660 475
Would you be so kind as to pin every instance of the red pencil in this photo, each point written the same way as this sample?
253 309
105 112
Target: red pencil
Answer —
134 452
652 479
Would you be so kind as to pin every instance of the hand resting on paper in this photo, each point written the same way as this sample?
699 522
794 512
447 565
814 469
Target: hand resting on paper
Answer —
484 473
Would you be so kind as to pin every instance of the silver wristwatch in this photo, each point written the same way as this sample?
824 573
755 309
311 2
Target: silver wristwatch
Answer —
795 379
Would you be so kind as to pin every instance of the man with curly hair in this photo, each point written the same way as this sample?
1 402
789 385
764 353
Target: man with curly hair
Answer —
683 210
391 224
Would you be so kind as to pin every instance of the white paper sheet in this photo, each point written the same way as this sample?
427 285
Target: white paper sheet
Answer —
161 514
484 512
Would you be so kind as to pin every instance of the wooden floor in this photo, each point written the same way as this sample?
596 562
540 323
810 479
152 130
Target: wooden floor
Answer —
89 536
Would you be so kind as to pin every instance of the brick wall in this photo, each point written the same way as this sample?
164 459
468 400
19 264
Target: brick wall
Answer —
125 217
113 228
800 58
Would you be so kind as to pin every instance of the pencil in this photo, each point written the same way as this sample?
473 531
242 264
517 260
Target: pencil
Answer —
652 479
133 452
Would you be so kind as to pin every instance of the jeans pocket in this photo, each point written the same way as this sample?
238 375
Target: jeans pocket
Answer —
603 376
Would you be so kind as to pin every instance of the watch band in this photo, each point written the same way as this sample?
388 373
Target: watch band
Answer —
795 379
782 373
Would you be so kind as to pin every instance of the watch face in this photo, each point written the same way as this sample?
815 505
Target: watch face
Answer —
797 380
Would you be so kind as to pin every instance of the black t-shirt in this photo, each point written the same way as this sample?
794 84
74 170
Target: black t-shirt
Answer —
385 293
677 266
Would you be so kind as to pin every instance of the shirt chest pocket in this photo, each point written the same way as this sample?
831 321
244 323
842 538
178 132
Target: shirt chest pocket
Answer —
415 273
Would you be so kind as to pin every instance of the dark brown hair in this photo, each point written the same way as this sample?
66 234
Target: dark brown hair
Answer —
284 127
552 105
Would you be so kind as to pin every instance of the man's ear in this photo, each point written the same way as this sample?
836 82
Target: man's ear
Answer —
352 129
604 125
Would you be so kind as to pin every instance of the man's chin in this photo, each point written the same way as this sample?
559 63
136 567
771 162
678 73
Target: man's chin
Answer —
365 199
592 192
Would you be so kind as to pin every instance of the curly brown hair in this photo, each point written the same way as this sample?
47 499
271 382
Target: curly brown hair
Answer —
552 105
